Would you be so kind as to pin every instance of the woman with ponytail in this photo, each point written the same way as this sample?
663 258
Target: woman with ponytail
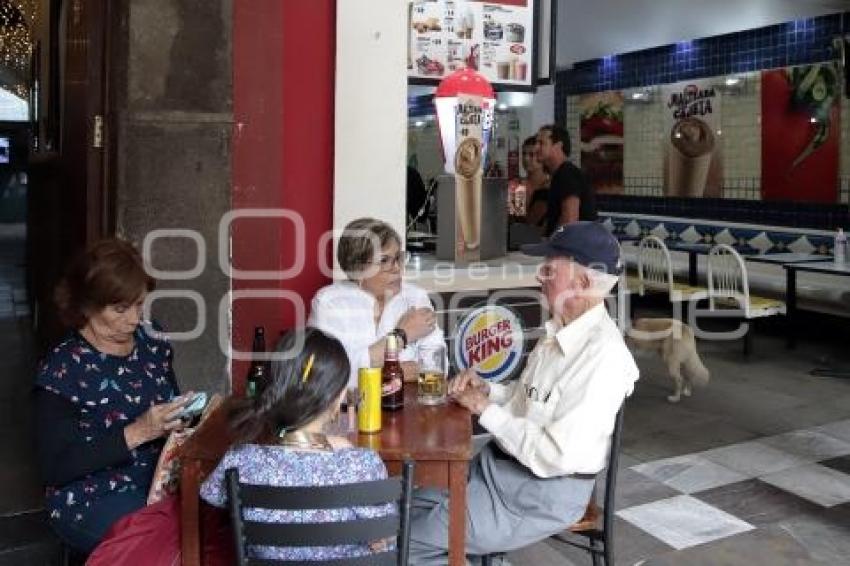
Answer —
281 441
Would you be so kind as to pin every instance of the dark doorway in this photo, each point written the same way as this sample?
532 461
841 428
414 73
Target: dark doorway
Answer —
69 205
52 203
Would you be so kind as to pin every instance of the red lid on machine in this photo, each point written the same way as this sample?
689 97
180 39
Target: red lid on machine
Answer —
465 81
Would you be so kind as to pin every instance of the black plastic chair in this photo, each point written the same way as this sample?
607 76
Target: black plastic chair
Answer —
396 490
600 540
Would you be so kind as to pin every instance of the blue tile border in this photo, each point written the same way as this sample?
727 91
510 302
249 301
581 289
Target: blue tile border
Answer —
780 240
793 43
771 213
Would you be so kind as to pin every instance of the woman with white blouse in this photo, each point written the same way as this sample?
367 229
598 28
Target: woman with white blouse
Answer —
374 301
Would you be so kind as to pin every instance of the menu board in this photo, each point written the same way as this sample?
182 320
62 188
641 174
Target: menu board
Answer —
494 37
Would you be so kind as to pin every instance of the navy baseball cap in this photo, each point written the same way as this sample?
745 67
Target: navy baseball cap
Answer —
587 243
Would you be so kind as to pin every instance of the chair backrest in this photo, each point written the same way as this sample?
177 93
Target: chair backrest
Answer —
617 300
727 277
611 475
396 490
655 270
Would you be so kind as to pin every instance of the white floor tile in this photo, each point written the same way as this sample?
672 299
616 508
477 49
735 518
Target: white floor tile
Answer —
839 429
689 474
753 458
814 482
683 522
810 444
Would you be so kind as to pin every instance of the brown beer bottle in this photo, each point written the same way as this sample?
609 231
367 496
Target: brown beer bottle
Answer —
258 374
392 377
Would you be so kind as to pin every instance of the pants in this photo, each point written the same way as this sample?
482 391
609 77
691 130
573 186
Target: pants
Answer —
508 508
85 535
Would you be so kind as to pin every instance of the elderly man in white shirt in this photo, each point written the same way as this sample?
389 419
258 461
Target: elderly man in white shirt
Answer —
551 429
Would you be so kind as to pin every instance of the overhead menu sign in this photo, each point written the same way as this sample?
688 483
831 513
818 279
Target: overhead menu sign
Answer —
494 37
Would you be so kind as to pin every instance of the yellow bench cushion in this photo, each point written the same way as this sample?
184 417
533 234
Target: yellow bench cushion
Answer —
759 306
683 291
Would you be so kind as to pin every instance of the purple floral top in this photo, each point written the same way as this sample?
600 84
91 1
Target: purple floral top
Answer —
110 392
279 466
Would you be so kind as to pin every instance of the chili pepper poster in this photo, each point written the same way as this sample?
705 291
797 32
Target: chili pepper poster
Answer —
602 140
800 129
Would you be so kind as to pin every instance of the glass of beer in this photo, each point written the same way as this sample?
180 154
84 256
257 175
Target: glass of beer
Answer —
432 374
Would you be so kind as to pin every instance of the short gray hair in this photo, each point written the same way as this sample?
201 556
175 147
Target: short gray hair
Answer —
356 249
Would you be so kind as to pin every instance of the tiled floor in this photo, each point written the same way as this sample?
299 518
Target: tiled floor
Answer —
755 469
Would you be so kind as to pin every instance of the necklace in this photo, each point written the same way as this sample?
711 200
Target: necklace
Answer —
304 440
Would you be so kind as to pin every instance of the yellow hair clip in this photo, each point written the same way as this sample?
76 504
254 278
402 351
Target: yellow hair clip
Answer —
307 367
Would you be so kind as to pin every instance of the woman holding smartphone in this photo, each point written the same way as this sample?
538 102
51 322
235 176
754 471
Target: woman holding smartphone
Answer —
105 396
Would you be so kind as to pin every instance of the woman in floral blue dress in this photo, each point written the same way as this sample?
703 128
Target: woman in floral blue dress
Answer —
105 396
280 441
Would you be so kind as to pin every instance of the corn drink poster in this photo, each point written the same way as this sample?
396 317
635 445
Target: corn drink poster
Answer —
490 341
800 133
691 144
493 37
469 172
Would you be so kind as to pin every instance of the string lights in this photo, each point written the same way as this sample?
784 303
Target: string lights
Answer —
17 18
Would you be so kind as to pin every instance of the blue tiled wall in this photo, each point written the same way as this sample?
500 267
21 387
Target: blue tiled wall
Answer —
792 43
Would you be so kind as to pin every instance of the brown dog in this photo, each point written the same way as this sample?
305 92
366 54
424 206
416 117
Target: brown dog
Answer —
674 341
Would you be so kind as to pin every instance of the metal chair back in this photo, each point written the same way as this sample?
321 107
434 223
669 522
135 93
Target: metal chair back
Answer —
655 269
600 541
396 490
727 277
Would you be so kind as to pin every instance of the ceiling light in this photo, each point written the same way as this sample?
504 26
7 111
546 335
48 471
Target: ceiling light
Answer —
502 106
732 81
419 123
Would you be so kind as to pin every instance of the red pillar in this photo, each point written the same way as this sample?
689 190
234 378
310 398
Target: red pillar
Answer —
283 139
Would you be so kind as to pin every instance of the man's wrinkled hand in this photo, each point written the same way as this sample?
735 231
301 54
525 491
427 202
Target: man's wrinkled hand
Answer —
474 399
468 379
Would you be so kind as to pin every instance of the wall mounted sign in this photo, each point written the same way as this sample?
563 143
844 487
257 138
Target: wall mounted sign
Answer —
800 133
490 340
692 146
602 140
497 38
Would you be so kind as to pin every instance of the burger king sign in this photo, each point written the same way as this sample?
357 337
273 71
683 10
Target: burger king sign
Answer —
490 340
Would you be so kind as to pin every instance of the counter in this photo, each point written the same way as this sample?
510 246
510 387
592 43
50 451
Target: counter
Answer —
514 271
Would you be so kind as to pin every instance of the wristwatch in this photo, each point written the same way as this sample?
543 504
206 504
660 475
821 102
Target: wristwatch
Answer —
401 334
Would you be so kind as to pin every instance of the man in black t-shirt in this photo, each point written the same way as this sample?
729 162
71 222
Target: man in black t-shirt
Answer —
571 196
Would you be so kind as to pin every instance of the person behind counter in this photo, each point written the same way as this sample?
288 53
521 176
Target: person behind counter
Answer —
536 183
373 301
571 197
104 397
280 441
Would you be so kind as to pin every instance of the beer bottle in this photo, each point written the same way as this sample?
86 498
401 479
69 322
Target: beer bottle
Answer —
258 373
392 377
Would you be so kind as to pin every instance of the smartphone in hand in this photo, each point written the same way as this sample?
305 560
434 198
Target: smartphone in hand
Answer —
193 407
